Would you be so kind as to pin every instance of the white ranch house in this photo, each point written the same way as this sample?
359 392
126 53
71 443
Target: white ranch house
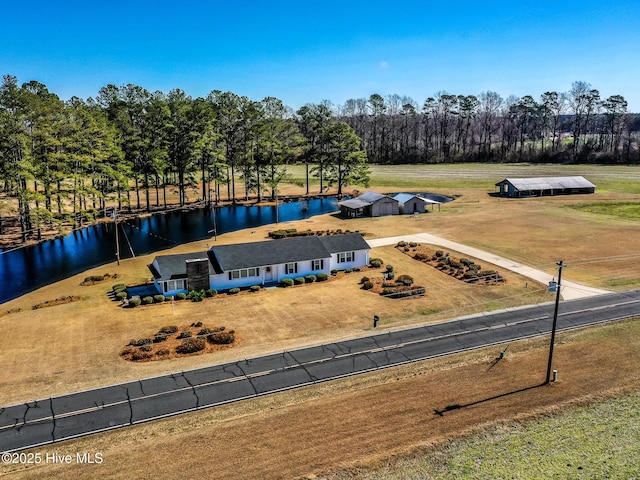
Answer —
258 263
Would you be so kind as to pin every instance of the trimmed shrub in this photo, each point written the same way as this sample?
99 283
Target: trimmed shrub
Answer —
233 291
255 288
364 279
390 275
147 300
401 243
158 298
134 302
143 341
221 338
367 285
348 270
334 272
181 296
168 330
298 280
212 292
389 268
159 337
190 345
196 295
375 262
184 334
197 324
286 282
121 295
310 278
439 253
322 277
405 280
140 356
423 257
118 287
205 331
413 244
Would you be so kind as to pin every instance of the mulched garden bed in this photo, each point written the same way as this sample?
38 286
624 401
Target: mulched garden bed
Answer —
462 268
174 341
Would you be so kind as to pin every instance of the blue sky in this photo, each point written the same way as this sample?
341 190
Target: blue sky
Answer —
305 52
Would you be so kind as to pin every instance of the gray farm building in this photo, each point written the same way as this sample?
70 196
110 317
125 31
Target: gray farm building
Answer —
370 204
544 186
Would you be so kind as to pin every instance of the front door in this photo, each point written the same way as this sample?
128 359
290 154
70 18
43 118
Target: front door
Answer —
268 274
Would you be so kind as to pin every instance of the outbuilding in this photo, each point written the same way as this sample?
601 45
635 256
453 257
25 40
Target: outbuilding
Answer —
409 203
544 186
369 204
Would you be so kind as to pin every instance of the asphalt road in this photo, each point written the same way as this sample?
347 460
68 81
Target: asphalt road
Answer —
60 418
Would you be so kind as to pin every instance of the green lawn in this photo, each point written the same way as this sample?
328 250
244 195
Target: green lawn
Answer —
617 209
621 179
598 441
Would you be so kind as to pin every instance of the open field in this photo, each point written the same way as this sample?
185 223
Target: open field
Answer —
76 346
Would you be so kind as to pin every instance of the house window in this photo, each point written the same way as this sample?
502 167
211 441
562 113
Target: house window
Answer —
243 273
346 257
173 285
317 264
291 268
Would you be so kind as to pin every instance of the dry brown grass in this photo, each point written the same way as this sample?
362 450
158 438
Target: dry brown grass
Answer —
360 421
76 346
84 339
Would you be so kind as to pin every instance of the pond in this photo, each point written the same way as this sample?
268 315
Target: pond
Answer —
29 268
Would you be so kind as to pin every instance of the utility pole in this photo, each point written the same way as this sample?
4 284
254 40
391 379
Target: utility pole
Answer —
555 321
115 220
215 227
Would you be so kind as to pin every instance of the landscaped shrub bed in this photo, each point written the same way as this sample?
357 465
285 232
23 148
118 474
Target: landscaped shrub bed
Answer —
57 301
178 341
463 269
94 279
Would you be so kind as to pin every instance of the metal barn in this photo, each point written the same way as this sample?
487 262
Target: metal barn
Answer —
369 204
544 186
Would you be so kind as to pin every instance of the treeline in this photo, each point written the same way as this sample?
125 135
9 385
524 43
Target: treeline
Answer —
66 161
576 126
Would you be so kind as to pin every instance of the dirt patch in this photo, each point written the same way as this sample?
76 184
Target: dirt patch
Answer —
174 341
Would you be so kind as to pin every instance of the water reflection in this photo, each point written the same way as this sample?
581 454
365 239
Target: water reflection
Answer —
26 269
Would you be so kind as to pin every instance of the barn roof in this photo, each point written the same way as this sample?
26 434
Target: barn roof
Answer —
548 183
364 200
405 197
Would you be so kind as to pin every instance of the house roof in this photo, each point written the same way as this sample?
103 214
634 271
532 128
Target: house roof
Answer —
171 267
297 249
548 183
344 243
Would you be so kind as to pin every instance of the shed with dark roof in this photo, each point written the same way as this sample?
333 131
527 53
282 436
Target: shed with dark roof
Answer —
369 204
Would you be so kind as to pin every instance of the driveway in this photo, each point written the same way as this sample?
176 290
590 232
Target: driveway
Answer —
569 290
